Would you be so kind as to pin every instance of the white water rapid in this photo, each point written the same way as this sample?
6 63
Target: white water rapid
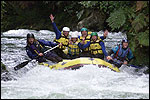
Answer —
88 82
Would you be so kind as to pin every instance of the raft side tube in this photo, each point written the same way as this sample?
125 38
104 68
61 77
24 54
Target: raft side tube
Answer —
80 62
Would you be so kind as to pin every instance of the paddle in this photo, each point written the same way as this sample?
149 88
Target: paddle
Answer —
114 62
132 69
26 62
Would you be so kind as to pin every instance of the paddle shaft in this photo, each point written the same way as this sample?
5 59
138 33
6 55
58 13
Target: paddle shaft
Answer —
26 62
51 49
114 62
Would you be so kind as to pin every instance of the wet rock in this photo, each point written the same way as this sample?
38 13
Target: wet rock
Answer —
3 68
5 74
146 71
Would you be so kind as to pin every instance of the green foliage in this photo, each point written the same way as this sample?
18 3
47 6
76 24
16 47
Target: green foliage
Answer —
111 6
139 22
143 38
35 15
74 8
116 19
119 13
83 13
130 13
142 56
133 45
89 4
3 4
3 68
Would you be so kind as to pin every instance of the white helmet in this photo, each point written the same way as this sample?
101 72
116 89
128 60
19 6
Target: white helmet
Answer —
74 34
66 29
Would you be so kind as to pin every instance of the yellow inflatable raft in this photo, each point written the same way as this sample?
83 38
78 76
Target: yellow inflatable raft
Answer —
79 62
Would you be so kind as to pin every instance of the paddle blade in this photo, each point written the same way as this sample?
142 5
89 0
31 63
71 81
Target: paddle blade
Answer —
21 65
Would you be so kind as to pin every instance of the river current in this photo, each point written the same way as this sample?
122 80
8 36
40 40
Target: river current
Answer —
40 82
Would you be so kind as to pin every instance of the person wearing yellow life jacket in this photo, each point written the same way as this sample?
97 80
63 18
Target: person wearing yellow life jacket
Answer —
35 50
85 38
121 54
97 47
61 37
73 46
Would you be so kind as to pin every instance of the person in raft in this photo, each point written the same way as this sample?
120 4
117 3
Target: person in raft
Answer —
85 37
61 38
121 54
97 47
35 50
73 46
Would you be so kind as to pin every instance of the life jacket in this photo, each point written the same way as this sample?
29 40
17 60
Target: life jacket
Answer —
121 54
96 47
36 47
73 49
64 40
87 39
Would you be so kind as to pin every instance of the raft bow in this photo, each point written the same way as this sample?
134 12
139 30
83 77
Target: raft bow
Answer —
80 62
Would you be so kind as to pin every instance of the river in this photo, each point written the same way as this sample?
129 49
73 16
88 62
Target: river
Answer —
39 82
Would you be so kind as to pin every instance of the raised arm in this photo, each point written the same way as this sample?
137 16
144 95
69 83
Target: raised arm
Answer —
103 48
57 32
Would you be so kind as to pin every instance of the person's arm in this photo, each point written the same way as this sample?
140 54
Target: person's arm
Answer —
102 37
78 37
83 46
30 54
48 43
79 44
103 48
57 32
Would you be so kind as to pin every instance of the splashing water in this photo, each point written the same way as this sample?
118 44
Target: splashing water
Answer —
39 82
88 82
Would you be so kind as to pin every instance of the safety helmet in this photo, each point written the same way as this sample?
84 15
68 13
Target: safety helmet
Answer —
125 40
84 29
30 35
66 29
74 34
94 34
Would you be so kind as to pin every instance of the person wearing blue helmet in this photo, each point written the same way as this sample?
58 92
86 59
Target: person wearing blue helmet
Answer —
120 54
